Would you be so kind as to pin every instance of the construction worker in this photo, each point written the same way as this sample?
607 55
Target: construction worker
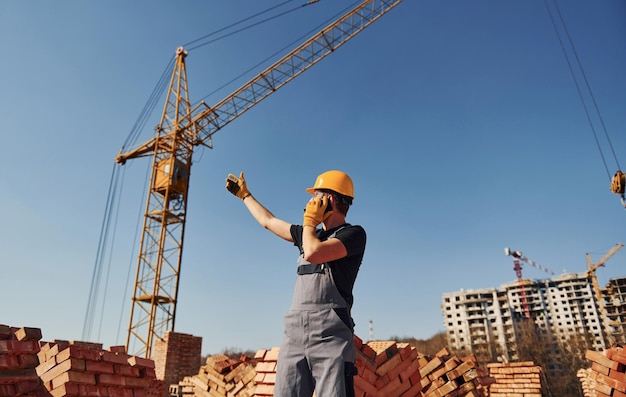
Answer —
317 352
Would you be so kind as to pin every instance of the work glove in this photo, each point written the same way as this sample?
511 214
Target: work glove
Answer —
237 186
316 211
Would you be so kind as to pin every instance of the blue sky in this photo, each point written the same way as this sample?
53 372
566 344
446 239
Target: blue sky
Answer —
459 122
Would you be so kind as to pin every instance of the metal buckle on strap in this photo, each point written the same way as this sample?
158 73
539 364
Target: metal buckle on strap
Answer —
311 269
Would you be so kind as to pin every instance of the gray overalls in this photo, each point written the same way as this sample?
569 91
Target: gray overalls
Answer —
317 351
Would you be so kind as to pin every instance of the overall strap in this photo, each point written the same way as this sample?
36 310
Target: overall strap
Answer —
310 268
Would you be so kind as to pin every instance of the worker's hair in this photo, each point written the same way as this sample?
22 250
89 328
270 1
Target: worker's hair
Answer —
342 202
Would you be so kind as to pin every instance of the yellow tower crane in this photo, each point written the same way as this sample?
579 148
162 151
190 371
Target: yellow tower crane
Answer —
182 128
595 284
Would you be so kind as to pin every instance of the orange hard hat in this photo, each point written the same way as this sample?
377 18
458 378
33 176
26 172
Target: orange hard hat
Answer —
336 181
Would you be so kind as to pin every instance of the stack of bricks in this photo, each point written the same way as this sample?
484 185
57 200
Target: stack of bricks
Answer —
220 377
265 372
390 369
70 368
518 379
588 384
608 372
177 355
447 375
386 368
18 360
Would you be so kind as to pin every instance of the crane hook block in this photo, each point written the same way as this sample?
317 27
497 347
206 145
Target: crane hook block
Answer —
618 184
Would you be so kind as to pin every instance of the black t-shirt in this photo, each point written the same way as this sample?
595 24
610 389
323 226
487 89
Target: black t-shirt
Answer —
344 270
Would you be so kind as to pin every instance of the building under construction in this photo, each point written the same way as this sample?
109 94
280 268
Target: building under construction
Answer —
487 321
615 298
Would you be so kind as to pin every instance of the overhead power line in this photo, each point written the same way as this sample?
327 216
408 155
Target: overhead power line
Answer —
578 86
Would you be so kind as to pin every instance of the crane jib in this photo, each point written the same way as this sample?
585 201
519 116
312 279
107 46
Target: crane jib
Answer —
211 119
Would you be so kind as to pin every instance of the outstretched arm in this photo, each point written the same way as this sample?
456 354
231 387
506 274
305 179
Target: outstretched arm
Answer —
238 187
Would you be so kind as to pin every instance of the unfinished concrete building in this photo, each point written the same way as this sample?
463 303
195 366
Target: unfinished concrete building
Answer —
487 321
615 305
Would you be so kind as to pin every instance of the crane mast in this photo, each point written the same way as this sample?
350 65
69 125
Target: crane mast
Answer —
181 128
597 291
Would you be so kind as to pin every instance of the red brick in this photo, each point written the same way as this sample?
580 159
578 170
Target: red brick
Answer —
408 352
266 367
398 369
67 365
460 370
109 379
368 352
7 390
26 387
120 392
617 375
613 383
135 361
11 375
389 365
140 393
272 355
264 390
358 342
19 347
599 368
415 379
431 366
76 351
74 376
126 370
137 382
27 333
101 367
147 372
118 349
365 386
5 332
260 354
600 358
7 361
28 361
94 391
87 345
443 390
409 371
620 357
414 391
66 389
115 358
602 388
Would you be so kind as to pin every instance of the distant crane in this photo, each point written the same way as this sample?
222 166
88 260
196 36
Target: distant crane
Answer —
517 266
181 129
591 275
